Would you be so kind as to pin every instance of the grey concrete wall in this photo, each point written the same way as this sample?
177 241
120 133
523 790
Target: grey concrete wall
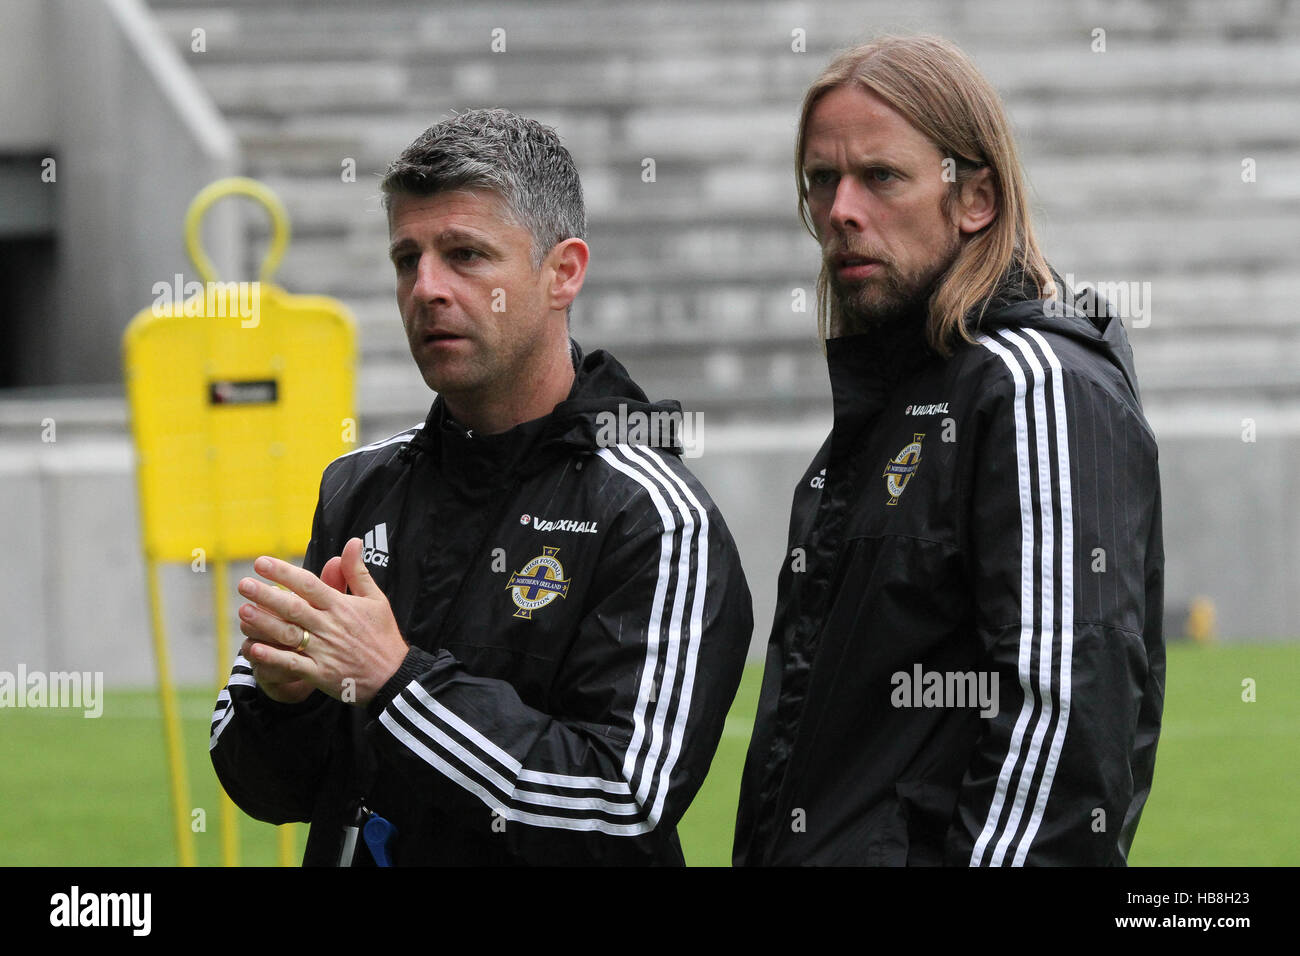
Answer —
27 107
1232 526
79 575
134 139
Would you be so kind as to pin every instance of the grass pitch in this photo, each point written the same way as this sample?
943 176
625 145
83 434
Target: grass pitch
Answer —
93 792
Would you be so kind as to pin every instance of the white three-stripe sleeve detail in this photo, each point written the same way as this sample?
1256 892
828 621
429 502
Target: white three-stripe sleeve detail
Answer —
221 716
221 725
1067 594
1056 578
695 633
664 697
501 780
1026 602
241 675
641 730
1046 572
426 753
493 790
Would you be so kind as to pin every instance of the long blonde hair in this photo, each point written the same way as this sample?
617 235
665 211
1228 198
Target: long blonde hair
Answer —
936 87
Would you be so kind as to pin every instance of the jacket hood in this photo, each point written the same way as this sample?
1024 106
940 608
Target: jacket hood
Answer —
605 406
1084 317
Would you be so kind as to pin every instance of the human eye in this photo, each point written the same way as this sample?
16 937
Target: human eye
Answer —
405 261
819 177
881 174
465 254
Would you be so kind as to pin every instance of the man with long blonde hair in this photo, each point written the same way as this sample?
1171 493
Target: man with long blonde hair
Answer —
967 664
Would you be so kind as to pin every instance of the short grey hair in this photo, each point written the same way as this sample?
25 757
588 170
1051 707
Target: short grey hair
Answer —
519 159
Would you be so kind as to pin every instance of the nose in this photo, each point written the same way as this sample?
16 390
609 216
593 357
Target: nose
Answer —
848 211
431 284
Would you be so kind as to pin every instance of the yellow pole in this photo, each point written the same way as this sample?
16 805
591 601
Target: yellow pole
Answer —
288 851
171 723
229 815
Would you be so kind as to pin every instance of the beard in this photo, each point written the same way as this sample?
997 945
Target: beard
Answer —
889 295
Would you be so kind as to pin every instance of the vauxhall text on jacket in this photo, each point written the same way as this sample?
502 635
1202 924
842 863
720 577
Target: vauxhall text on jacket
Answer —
966 664
577 619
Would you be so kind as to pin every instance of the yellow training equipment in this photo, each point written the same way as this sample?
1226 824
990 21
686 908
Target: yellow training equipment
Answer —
240 395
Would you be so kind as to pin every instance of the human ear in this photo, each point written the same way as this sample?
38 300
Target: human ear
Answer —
978 202
567 264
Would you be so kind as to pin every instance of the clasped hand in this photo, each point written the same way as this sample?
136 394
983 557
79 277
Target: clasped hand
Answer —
353 645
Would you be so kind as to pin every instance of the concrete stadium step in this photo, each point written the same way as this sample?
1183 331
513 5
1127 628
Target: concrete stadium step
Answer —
1162 182
644 315
1265 349
1247 384
727 359
1109 124
321 27
328 205
525 81
1063 77
1102 126
740 80
1147 66
357 265
1177 308
1140 244
1210 301
1127 249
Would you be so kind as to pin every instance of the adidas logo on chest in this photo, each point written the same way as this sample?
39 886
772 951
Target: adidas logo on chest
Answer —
376 546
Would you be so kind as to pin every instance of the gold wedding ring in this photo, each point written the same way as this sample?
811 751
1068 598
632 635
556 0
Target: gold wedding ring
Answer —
302 645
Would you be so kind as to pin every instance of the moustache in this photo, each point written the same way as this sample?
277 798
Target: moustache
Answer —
839 249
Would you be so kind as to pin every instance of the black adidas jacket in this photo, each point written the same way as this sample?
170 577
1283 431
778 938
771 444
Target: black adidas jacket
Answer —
578 621
992 515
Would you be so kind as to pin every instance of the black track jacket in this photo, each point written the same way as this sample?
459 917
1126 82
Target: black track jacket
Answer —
994 515
578 621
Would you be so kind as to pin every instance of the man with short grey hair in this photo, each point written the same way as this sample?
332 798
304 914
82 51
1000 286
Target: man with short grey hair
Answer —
517 631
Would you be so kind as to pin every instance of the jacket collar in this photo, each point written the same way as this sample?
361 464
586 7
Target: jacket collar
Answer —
602 390
865 368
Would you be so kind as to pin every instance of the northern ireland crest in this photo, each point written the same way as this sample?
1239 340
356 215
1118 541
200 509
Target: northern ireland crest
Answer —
538 583
901 467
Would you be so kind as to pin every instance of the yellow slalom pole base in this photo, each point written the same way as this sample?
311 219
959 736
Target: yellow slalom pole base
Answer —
288 848
180 788
229 813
